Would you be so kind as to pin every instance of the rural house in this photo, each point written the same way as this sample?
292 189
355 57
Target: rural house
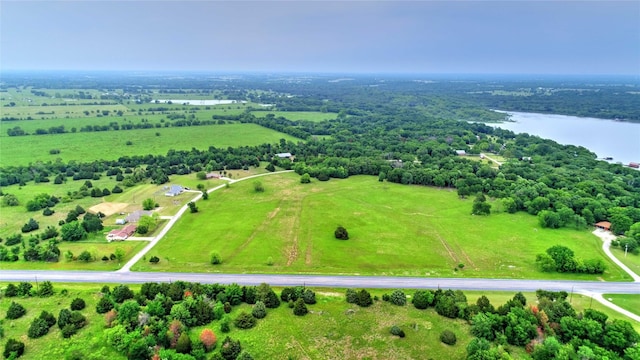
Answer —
604 225
285 155
213 175
461 152
121 234
174 190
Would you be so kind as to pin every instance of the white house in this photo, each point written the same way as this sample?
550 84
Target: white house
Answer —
174 190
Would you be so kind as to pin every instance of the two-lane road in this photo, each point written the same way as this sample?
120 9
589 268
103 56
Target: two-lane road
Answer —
330 281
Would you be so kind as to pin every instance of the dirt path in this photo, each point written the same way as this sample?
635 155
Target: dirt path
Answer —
607 237
494 160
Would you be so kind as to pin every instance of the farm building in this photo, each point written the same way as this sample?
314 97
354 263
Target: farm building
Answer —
174 190
284 155
604 225
213 175
121 234
461 152
136 215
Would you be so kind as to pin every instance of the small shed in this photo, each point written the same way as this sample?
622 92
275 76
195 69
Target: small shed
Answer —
121 221
461 152
604 225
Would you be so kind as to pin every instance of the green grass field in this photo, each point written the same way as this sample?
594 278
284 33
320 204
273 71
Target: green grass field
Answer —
329 331
110 145
632 261
394 229
315 116
625 301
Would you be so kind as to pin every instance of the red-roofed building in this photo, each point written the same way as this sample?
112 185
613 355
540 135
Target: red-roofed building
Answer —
122 234
604 225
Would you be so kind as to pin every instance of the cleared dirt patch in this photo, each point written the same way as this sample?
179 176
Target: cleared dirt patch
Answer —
108 208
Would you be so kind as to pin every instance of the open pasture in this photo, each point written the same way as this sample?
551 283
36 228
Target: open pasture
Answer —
315 116
626 301
394 230
110 145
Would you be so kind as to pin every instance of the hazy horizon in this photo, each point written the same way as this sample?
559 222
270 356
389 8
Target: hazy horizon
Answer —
348 37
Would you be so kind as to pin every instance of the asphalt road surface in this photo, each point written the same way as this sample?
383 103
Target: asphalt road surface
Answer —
329 281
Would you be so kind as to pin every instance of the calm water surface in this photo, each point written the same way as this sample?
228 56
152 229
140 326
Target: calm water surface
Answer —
620 140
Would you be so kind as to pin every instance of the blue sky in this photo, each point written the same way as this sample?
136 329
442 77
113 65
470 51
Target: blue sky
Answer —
523 37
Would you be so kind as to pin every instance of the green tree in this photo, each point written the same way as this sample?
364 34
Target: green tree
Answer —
45 289
422 299
364 298
563 257
72 231
305 178
259 310
245 321
193 208
148 204
230 348
13 349
398 297
480 205
215 258
104 305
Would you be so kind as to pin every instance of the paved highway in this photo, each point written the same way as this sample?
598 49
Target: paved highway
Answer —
585 287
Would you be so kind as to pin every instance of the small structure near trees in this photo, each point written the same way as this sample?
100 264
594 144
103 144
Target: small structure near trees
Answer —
604 225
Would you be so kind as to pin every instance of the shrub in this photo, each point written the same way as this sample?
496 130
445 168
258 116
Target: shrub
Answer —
395 330
47 212
364 298
259 311
15 311
448 337
244 356
184 344
68 331
422 299
245 321
208 339
225 324
48 318
309 297
341 233
215 258
154 260
38 328
230 348
398 298
121 293
300 308
258 187
352 296
46 289
77 304
11 291
13 346
104 305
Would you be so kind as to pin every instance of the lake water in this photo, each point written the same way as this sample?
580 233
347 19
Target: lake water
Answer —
606 138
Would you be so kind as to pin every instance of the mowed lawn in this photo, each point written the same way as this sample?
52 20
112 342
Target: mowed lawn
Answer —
394 230
110 145
626 301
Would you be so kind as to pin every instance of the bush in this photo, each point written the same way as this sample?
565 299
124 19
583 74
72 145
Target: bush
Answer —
77 304
395 330
15 311
398 298
300 308
104 305
422 299
215 258
259 311
13 346
208 339
38 328
341 233
46 289
245 321
258 187
448 337
225 324
309 297
68 331
11 291
230 348
48 318
364 298
154 260
184 344
352 296
121 293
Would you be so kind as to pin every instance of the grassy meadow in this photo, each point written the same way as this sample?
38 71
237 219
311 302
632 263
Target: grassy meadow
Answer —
332 329
110 145
626 301
394 230
632 261
315 116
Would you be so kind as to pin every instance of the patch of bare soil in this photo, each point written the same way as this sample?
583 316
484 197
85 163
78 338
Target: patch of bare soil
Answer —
108 208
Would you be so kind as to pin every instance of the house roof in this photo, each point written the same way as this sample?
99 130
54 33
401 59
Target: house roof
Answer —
136 215
283 155
123 233
604 224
